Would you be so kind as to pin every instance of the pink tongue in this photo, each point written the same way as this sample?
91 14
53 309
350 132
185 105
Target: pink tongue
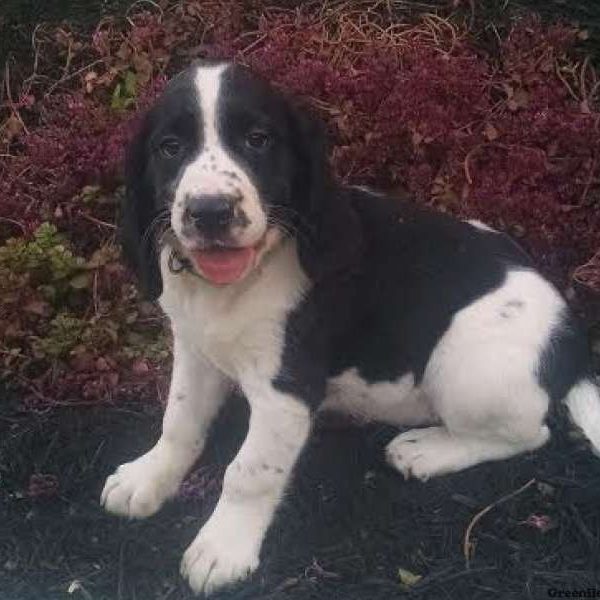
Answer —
223 265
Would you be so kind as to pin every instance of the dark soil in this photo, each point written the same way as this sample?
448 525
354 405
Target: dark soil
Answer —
348 525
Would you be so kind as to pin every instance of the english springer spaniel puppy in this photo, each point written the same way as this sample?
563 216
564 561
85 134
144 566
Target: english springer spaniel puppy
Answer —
308 294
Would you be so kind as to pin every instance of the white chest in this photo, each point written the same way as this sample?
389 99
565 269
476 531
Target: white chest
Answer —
239 328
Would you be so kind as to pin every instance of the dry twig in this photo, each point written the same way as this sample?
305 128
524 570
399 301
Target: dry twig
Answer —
468 546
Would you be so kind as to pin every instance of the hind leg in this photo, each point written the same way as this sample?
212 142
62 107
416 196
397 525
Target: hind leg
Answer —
486 415
425 453
482 380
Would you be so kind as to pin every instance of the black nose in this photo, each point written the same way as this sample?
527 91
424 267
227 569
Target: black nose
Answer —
211 214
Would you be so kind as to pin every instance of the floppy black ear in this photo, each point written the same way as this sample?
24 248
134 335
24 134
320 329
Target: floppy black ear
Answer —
138 209
330 243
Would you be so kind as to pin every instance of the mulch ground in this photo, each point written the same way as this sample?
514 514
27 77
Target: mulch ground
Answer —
348 525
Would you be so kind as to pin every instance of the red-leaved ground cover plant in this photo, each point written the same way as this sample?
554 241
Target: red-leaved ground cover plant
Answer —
417 107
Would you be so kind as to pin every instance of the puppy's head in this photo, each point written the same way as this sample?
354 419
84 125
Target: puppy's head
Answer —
226 166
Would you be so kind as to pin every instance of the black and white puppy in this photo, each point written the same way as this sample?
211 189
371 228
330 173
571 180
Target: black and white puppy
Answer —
307 294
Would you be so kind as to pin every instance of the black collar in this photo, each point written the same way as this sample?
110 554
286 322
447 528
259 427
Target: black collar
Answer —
178 263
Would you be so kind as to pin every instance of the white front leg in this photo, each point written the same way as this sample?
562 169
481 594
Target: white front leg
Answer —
197 391
228 546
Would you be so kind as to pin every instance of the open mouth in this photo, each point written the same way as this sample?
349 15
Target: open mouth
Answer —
222 265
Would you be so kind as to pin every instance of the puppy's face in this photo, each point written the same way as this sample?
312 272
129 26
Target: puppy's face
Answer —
222 161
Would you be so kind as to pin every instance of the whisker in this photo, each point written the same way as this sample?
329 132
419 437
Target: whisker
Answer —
168 230
161 218
289 229
293 213
288 213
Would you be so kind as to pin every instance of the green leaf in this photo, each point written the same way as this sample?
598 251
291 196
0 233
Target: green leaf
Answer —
103 256
49 292
89 193
115 101
131 317
408 578
129 86
80 281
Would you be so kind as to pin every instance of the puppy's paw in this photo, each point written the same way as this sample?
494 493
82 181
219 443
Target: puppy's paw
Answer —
425 453
218 557
139 488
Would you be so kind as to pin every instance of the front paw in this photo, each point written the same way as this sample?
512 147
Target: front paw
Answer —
219 557
139 488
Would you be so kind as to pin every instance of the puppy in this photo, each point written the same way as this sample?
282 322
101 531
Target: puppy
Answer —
307 294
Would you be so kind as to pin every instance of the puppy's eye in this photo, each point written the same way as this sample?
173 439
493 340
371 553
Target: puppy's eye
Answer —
258 139
170 147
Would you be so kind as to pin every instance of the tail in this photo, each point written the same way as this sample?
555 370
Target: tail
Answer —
583 402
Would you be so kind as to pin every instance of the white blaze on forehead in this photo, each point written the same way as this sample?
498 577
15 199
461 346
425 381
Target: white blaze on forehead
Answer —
208 84
215 171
